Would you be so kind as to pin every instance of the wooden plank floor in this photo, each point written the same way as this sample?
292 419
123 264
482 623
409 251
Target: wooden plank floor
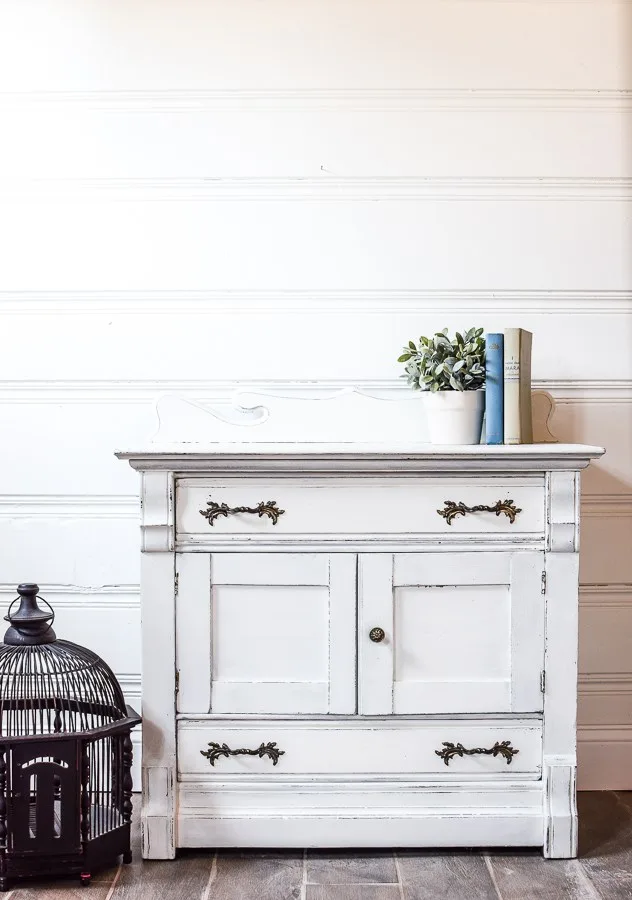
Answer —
604 870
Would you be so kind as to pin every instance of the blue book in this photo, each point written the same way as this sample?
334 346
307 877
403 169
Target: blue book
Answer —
494 388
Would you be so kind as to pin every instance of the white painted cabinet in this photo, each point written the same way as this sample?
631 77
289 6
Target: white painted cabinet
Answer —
384 654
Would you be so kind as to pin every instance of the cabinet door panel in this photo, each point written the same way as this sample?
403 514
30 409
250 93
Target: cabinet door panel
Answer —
464 632
266 633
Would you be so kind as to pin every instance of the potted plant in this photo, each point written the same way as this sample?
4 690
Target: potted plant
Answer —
451 374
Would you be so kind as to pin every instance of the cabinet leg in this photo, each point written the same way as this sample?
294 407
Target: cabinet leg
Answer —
560 841
157 837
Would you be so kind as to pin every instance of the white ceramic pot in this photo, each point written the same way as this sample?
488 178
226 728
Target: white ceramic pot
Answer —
454 417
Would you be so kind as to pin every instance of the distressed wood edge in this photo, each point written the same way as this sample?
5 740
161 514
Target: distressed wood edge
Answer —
560 808
157 500
158 596
562 515
157 837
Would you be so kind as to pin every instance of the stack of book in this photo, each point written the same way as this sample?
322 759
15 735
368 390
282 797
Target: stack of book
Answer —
508 387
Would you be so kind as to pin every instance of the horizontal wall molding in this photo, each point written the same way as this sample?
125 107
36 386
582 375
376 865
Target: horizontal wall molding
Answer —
131 686
320 188
588 390
606 682
80 597
607 505
67 506
340 302
146 391
605 596
170 101
130 681
79 589
601 733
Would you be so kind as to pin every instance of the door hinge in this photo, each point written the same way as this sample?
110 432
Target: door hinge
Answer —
176 584
177 680
542 681
543 579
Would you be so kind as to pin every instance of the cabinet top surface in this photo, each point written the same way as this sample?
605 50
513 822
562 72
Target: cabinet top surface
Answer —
528 456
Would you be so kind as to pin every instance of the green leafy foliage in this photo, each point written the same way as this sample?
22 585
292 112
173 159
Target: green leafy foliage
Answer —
441 363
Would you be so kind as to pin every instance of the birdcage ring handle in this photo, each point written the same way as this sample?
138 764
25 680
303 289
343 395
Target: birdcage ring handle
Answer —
7 618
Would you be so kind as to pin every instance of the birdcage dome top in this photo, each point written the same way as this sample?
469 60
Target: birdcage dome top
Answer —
51 686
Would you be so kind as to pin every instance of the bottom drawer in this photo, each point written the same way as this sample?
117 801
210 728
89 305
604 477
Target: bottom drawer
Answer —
360 747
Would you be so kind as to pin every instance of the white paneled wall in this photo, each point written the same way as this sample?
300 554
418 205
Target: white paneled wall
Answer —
198 193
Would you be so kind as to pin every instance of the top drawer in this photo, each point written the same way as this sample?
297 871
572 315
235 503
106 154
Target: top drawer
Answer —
207 508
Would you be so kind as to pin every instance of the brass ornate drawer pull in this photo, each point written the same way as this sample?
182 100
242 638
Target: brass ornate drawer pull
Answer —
215 510
216 750
503 748
452 509
377 635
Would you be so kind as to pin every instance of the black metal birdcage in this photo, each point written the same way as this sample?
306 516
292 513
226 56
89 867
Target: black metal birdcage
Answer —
65 752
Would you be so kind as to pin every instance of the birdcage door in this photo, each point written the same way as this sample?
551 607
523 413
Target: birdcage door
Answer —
44 797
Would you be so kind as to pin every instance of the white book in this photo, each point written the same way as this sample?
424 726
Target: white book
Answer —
518 425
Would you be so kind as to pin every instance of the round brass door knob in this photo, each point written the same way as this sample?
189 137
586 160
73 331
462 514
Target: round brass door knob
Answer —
377 635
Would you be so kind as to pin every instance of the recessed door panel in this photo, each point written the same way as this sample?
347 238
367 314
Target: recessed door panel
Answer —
452 645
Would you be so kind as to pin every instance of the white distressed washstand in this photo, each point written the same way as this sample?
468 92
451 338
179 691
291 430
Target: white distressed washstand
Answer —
355 642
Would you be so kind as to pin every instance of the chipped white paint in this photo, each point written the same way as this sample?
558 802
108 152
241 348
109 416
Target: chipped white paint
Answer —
259 621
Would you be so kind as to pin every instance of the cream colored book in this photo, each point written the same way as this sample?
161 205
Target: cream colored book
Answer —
518 417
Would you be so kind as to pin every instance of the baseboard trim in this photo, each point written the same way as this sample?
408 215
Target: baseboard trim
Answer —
604 755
